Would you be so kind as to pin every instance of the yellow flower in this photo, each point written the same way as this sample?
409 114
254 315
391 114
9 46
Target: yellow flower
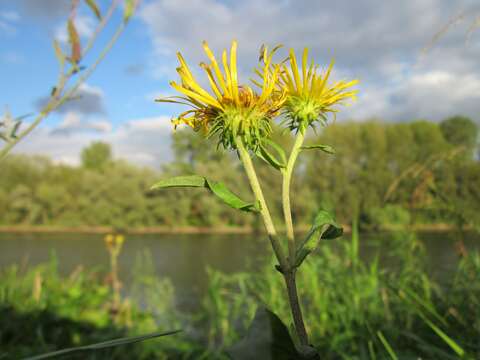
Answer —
230 110
310 96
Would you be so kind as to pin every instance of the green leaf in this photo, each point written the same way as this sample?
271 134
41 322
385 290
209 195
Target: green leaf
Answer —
264 154
267 339
129 9
217 188
325 148
221 191
324 227
93 6
103 345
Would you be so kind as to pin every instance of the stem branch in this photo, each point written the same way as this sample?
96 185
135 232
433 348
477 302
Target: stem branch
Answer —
287 212
257 191
55 103
287 269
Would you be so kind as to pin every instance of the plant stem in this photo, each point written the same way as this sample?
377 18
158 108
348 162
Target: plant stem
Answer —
287 270
52 105
257 191
287 176
291 284
289 276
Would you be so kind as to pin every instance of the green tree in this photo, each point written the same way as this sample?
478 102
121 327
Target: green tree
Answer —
96 156
460 131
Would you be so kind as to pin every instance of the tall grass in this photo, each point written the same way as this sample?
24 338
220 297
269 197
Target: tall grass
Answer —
388 307
362 310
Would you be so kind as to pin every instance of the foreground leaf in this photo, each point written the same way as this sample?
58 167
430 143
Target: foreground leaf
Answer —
267 339
324 227
278 162
103 345
217 188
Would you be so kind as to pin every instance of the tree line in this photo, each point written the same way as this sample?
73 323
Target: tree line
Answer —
382 173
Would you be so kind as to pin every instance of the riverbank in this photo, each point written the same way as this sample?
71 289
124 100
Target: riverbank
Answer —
193 229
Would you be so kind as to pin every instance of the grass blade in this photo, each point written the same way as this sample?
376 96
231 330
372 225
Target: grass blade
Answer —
103 345
387 346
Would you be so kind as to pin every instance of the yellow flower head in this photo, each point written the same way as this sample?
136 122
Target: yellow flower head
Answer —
230 110
310 96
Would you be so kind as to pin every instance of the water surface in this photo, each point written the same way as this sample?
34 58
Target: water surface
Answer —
184 258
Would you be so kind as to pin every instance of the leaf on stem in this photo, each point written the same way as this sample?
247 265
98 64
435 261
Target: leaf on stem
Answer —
93 6
74 41
129 9
216 187
59 53
278 161
9 126
325 148
324 227
267 338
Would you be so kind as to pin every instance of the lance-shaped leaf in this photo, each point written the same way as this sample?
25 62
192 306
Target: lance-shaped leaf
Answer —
129 9
217 188
74 40
267 338
324 227
278 161
93 6
102 345
59 53
325 148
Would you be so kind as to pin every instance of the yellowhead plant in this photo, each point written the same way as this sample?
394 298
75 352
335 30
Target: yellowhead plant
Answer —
241 119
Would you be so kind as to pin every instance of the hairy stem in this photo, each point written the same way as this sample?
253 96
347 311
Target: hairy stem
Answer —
287 212
257 191
286 268
289 276
291 284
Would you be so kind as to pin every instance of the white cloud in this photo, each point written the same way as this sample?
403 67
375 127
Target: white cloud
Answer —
75 122
88 100
378 42
11 16
145 142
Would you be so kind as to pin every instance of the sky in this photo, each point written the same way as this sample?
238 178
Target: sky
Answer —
388 45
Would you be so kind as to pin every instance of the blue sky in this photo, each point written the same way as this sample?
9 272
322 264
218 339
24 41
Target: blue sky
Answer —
379 42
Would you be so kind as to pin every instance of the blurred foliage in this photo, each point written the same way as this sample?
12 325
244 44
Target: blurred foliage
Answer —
421 172
354 308
43 311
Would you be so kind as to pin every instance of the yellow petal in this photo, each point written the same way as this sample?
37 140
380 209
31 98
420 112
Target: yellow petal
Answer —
233 72
212 81
294 67
304 67
206 100
227 73
216 68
